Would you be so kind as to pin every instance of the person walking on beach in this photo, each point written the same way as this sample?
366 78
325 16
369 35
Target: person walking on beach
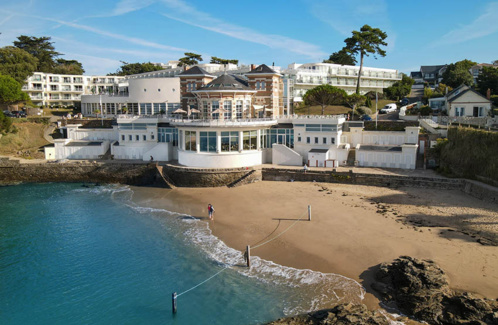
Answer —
305 168
210 211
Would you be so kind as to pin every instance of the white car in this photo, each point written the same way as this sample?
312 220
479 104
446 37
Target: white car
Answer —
388 108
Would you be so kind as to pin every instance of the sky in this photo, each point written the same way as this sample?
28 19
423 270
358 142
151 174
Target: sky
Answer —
102 33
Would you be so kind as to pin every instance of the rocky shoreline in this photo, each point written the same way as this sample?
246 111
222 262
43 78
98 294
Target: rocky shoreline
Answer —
416 288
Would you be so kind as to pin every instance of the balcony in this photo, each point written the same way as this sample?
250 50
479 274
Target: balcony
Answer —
223 123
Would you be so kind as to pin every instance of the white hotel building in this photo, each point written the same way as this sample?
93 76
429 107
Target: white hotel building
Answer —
227 121
48 89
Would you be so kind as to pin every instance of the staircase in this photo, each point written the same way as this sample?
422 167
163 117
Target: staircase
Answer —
164 178
239 181
351 157
107 155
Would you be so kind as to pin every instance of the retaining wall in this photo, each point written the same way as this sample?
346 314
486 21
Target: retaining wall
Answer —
203 177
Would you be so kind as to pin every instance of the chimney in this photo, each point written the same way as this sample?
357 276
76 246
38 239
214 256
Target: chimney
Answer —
253 66
488 94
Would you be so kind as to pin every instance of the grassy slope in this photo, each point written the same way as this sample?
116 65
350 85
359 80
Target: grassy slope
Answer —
27 141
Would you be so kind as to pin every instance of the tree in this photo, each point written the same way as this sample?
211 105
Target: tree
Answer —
342 57
458 73
324 95
400 89
68 67
41 48
216 60
443 89
488 79
355 100
134 68
17 63
190 59
10 91
5 123
367 40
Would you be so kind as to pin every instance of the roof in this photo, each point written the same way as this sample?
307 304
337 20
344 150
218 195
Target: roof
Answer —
195 70
262 69
84 143
380 148
226 82
466 91
319 150
431 68
163 124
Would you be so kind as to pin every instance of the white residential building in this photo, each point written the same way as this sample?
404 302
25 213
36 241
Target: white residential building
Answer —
299 78
48 89
462 101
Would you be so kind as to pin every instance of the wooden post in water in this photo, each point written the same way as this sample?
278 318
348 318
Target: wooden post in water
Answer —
173 302
248 253
309 212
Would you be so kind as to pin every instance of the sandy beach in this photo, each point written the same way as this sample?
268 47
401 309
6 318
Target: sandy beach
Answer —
353 228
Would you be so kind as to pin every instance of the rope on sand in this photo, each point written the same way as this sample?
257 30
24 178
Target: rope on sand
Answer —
283 232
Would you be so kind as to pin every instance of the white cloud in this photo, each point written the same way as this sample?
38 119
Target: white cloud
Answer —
347 15
183 12
486 24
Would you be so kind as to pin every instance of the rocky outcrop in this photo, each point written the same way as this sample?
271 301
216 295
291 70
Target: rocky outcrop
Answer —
339 315
420 289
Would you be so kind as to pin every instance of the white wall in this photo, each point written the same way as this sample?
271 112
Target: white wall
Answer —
283 155
75 133
406 158
79 152
220 160
154 90
162 151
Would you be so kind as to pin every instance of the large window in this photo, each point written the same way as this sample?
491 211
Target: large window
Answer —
205 109
230 141
280 136
215 106
321 128
227 106
159 108
250 140
238 109
190 141
208 141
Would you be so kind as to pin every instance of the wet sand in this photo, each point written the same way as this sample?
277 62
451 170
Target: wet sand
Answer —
353 228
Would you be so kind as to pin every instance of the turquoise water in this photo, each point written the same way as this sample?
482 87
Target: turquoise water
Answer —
77 254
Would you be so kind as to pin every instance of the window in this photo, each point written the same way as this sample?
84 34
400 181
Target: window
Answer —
122 137
257 85
190 141
137 137
316 140
249 140
308 140
207 141
205 108
159 90
263 85
168 135
312 127
227 106
230 141
238 109
214 106
152 136
144 137
332 140
130 137
324 140
298 139
145 90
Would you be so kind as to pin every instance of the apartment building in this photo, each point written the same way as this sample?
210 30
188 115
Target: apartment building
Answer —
48 89
299 78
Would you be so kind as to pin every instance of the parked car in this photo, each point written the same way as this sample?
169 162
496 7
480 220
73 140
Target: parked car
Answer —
405 101
388 108
365 117
8 114
19 113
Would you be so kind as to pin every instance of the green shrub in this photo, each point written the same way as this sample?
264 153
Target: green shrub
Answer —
425 111
5 123
364 110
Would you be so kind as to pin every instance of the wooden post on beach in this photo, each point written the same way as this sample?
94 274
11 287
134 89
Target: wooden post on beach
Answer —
248 253
173 301
309 212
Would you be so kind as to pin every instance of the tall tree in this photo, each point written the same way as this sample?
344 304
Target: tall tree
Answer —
134 68
10 91
488 79
458 73
41 48
365 42
17 63
324 95
68 67
217 60
190 59
342 57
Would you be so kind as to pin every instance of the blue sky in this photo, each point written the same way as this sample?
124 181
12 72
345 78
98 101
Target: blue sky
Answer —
101 33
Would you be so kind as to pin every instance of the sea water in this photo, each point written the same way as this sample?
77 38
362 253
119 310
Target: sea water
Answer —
85 254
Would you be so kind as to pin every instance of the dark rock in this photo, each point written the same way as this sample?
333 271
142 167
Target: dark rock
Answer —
421 289
339 315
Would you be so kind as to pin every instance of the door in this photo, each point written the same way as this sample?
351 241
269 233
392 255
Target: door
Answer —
476 111
281 139
421 146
